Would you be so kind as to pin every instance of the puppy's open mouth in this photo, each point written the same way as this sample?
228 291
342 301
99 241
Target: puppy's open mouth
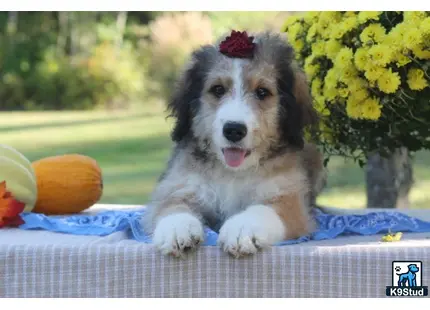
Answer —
235 156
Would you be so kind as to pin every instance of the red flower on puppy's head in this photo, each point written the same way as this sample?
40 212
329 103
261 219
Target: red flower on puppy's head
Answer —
238 45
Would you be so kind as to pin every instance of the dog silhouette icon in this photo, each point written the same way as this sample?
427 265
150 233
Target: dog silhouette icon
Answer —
408 277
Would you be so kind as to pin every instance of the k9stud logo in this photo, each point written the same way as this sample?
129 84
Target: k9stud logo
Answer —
407 279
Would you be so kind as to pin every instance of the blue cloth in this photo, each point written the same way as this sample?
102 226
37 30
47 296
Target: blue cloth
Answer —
329 226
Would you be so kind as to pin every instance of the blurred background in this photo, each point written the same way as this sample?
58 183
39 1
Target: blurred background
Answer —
96 83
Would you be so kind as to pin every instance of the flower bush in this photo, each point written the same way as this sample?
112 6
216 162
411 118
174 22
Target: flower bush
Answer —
369 74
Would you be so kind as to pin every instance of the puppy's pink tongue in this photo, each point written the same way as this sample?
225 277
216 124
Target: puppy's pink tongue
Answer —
234 157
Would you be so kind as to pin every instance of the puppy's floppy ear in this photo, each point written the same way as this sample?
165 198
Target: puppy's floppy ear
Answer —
186 98
302 94
182 103
296 100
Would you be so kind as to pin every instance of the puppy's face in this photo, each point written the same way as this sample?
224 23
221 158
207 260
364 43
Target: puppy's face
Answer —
243 109
239 111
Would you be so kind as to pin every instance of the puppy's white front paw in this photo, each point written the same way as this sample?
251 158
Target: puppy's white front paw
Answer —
178 233
255 228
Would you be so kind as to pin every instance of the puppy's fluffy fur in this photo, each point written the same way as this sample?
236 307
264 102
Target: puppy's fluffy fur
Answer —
267 197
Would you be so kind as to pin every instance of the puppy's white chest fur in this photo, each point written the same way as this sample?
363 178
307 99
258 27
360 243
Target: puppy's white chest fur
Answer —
233 195
222 195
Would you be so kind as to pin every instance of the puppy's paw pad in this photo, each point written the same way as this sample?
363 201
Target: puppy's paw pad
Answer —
177 234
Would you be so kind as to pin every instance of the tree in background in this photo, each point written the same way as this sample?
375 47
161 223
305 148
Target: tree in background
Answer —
173 36
71 60
369 75
87 60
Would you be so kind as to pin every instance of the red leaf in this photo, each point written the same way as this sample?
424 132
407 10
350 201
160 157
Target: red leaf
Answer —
10 208
12 221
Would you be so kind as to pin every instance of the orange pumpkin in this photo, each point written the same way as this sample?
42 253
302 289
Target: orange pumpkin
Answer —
67 184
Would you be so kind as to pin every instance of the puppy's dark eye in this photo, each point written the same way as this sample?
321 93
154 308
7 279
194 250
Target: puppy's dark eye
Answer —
217 90
262 93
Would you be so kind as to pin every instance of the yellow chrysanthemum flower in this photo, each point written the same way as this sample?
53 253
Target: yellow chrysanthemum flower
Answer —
356 84
327 132
330 84
322 24
349 23
293 31
311 17
412 38
374 33
325 32
332 48
364 16
389 40
311 68
337 32
325 22
414 17
318 100
371 109
400 59
425 26
372 72
289 22
328 17
350 14
347 73
416 79
311 71
325 112
420 52
330 93
310 60
298 45
361 58
320 106
394 41
360 95
380 54
331 78
397 33
316 87
343 92
353 108
389 81
343 58
312 32
318 48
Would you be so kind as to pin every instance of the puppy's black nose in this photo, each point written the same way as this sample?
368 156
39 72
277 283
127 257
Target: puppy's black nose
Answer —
234 132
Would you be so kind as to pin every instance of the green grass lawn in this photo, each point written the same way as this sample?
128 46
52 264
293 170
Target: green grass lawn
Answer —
133 147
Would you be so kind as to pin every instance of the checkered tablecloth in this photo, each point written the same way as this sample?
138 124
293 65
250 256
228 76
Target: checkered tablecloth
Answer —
45 264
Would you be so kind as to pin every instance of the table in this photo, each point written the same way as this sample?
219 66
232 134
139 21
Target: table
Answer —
46 264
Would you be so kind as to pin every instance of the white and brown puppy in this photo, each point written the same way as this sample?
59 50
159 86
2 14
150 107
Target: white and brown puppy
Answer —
240 162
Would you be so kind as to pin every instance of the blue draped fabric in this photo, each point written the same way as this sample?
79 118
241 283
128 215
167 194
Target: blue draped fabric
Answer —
329 226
